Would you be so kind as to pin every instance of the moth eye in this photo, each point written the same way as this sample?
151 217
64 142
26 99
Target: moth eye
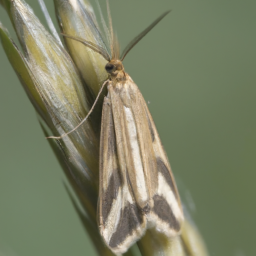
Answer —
109 68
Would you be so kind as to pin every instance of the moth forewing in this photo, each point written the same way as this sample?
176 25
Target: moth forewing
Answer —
120 220
144 137
167 213
123 97
137 189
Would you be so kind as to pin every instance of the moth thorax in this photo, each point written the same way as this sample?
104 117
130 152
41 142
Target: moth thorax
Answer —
116 69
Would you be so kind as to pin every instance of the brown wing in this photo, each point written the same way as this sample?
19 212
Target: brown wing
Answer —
121 222
136 150
136 182
167 213
165 207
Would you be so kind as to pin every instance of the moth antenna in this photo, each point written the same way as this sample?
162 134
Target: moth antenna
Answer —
110 30
113 43
116 47
89 113
141 35
91 45
105 27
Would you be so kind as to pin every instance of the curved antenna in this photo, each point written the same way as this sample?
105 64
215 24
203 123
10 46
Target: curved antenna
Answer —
114 44
141 35
105 27
91 45
110 27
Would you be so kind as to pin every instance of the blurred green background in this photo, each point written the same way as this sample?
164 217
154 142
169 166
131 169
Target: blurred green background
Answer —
197 71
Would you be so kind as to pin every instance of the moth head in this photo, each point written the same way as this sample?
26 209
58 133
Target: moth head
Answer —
113 67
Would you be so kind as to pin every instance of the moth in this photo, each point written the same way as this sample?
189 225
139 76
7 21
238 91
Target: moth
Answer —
137 189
